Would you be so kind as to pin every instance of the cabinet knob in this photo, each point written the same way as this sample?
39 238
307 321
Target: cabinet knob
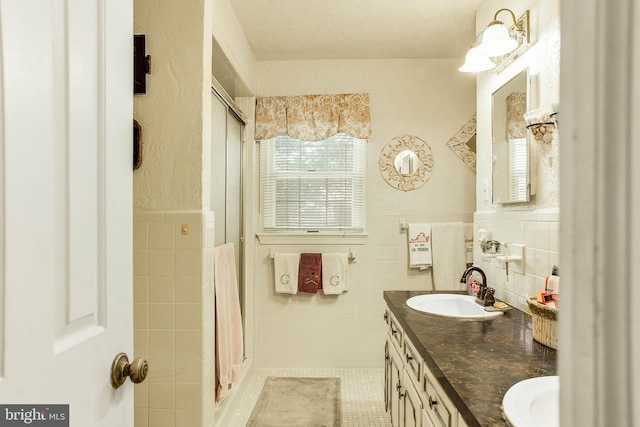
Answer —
409 358
432 402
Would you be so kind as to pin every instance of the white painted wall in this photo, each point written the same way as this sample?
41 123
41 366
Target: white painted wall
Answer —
535 224
174 112
426 98
231 38
168 193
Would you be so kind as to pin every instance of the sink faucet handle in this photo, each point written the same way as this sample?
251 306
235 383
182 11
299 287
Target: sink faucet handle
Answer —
489 298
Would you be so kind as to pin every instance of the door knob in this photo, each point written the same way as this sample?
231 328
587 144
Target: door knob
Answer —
121 369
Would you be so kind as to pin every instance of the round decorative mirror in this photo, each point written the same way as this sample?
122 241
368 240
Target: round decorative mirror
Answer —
406 163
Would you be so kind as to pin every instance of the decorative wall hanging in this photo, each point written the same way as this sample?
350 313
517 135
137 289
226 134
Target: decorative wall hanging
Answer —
406 163
463 143
141 64
137 144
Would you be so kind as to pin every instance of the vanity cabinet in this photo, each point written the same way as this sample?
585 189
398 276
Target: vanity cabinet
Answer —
459 369
413 398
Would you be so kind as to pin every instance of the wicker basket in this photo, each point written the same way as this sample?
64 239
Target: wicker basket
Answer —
545 322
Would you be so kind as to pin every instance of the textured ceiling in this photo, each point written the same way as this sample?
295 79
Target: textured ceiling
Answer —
357 29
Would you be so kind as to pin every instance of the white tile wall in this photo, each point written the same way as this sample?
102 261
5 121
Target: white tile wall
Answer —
539 231
425 98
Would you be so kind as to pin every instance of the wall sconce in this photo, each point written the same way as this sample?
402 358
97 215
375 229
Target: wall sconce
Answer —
498 42
542 126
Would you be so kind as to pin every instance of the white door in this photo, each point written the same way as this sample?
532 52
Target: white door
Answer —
66 124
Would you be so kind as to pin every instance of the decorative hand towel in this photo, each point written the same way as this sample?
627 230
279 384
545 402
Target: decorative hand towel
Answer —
310 274
419 246
334 273
228 323
468 242
285 267
449 260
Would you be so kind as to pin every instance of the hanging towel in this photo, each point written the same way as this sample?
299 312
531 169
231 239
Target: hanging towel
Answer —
334 273
419 246
285 267
310 274
468 242
228 322
449 259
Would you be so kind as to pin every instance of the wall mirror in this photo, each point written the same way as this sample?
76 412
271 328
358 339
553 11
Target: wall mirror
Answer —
510 150
406 163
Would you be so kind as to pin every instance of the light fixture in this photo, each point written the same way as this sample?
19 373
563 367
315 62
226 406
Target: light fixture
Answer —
500 43
497 39
474 62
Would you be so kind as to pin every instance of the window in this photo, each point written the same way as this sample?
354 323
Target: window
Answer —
313 186
518 169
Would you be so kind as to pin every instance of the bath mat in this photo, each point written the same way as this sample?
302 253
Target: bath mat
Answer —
297 402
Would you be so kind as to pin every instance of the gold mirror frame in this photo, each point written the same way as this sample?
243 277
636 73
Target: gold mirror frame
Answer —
386 163
459 143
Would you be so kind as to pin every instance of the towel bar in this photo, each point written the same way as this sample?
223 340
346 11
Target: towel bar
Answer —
351 256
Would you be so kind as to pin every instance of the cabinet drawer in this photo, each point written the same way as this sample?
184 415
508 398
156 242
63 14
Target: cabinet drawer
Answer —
437 406
397 335
413 362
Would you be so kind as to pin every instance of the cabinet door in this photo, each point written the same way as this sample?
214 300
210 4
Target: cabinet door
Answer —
387 377
410 403
426 421
395 378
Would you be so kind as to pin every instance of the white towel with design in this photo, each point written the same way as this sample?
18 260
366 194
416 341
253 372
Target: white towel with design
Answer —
285 267
334 273
419 246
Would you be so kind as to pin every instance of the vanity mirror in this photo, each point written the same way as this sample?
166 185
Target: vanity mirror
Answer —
510 150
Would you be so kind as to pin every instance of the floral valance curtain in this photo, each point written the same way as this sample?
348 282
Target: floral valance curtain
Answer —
516 107
313 117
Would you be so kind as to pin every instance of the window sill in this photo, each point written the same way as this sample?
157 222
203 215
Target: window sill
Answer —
315 239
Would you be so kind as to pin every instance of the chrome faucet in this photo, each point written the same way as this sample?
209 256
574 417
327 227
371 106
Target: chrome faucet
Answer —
482 291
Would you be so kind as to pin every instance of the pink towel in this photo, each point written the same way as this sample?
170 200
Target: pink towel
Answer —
229 346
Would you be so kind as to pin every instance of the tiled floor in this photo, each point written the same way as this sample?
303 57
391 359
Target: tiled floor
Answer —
361 392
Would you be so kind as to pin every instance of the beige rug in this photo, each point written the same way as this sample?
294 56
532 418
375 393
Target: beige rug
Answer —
297 402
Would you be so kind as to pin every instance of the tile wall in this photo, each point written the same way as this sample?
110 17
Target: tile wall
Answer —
539 231
173 317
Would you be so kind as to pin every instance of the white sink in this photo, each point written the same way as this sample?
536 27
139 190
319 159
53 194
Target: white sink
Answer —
533 402
451 305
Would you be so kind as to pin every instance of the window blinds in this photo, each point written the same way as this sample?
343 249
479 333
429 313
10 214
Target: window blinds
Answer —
313 186
518 169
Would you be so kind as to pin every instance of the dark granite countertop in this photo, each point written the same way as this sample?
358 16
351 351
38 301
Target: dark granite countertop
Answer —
475 361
